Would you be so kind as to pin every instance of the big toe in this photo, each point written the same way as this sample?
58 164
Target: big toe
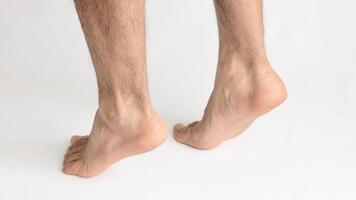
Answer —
180 133
72 168
73 163
195 135
185 134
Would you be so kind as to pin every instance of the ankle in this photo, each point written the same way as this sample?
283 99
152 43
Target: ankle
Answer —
236 64
251 53
243 57
122 109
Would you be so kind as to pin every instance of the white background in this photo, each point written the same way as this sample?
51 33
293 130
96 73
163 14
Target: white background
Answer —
304 150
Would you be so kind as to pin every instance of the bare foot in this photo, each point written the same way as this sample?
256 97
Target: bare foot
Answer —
242 93
112 140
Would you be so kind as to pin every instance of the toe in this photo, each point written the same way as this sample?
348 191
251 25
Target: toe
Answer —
179 127
76 138
72 161
71 168
75 149
181 133
77 143
72 158
195 135
78 168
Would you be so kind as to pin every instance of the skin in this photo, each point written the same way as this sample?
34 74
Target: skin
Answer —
246 86
126 124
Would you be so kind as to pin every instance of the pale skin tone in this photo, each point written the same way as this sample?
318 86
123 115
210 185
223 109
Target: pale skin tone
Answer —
246 86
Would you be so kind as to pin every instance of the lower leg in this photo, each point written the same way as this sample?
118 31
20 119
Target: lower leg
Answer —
246 86
125 123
